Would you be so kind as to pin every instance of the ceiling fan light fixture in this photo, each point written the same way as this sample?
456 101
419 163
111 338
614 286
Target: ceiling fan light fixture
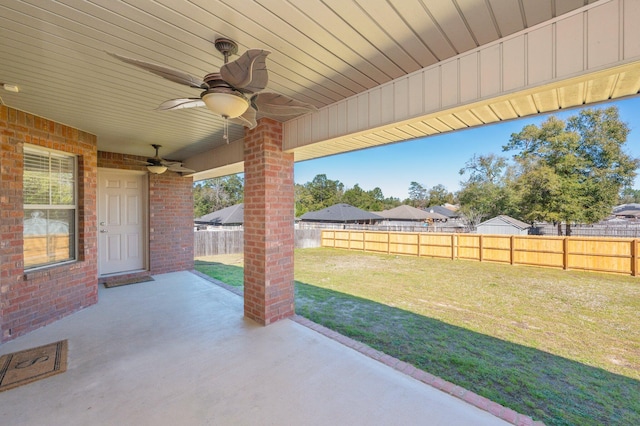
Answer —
10 87
157 169
227 105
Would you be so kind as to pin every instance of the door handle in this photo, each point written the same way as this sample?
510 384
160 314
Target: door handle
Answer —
102 223
104 231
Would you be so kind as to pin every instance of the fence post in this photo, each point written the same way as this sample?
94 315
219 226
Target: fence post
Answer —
388 242
512 249
565 253
457 237
634 258
480 246
453 246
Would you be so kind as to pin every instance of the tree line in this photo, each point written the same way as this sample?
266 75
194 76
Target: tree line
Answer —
323 192
210 195
571 171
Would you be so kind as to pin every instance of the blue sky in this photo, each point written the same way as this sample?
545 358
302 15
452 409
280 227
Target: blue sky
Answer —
437 159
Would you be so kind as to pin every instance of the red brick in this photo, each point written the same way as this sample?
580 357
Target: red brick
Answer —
63 289
269 272
26 301
523 420
509 415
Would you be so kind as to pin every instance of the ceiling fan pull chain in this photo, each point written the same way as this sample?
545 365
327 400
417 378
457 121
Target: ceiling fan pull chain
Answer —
226 128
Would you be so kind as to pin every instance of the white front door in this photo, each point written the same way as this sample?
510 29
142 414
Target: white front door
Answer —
122 237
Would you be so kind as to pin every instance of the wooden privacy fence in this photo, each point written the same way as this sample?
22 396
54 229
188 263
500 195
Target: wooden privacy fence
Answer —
42 249
616 255
208 243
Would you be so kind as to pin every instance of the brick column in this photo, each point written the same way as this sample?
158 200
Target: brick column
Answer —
268 225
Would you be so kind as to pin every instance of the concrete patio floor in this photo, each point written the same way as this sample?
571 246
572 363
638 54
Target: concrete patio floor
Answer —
177 351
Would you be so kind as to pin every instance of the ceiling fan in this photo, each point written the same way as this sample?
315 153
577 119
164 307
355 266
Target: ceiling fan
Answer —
234 92
158 165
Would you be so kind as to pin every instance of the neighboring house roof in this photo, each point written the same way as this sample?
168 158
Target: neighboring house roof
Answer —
615 220
340 213
626 207
233 215
405 212
506 219
627 210
443 211
628 213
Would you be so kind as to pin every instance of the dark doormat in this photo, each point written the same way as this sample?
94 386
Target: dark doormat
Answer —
20 368
127 281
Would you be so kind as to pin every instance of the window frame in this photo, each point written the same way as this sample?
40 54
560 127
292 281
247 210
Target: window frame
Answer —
73 237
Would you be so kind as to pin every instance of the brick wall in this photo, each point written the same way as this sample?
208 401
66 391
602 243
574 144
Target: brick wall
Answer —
268 225
171 236
170 223
33 299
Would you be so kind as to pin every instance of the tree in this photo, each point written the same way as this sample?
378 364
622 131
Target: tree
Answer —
325 192
484 168
629 196
418 195
303 199
380 202
366 200
390 202
438 195
210 195
488 190
234 187
321 192
572 171
377 195
355 196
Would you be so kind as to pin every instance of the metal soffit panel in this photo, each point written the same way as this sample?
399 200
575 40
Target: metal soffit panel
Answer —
593 88
322 52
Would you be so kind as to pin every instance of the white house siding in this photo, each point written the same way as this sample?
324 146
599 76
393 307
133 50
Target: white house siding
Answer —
500 227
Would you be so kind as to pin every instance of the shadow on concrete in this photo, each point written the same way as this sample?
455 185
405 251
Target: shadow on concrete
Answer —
547 387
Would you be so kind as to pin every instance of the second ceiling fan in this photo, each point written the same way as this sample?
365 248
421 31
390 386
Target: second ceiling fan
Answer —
158 165
234 92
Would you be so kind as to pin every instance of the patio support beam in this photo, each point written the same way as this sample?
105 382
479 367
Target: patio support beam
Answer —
268 225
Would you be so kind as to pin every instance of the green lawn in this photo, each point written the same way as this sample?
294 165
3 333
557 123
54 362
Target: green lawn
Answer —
560 346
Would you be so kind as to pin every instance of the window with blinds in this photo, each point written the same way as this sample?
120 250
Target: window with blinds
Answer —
50 207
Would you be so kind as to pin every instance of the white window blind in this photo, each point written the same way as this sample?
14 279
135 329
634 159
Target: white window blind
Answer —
50 207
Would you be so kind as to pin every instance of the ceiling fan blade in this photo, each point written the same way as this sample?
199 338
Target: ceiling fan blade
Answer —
179 168
248 119
141 162
176 76
280 105
180 103
248 73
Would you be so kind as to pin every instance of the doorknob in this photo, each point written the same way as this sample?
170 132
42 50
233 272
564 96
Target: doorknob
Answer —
104 231
102 223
